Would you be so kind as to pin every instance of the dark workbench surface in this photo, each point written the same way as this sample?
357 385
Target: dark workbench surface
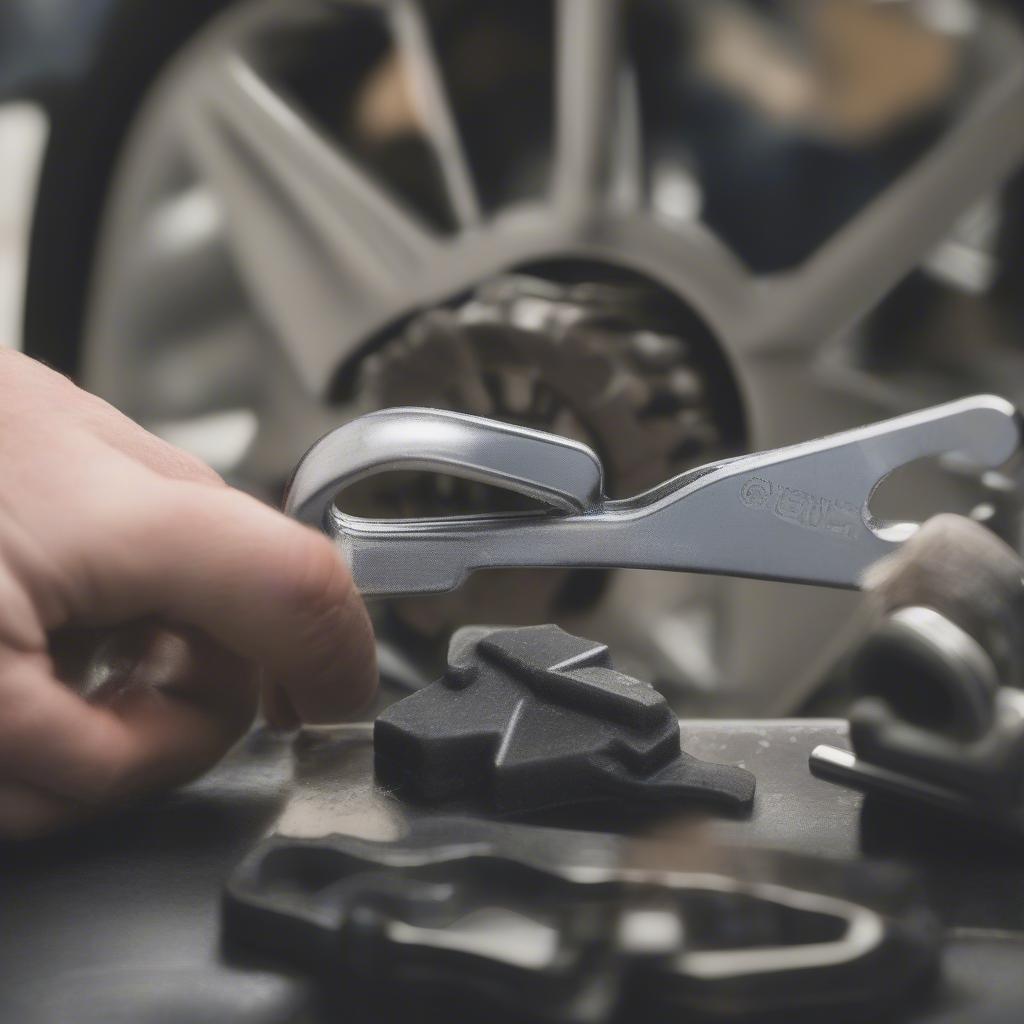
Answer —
120 921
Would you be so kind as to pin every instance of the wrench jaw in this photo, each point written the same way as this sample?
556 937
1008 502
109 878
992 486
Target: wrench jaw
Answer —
377 564
812 500
976 433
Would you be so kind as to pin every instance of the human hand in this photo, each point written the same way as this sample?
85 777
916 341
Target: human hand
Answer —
143 605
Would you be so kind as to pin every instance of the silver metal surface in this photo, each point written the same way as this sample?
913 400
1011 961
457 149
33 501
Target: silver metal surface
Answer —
552 469
799 513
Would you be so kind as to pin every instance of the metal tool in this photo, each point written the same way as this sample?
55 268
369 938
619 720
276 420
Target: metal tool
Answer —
907 764
798 513
523 923
940 715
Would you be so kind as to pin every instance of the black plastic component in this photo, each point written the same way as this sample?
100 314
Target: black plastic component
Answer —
554 925
987 772
534 717
934 726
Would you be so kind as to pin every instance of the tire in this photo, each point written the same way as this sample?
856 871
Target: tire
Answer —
89 116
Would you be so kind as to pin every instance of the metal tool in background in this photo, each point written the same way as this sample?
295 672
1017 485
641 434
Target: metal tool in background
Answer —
525 923
938 713
799 513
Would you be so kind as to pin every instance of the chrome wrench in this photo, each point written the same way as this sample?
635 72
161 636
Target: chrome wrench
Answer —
799 513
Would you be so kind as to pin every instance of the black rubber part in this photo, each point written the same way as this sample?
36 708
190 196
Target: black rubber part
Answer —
988 771
376 919
534 717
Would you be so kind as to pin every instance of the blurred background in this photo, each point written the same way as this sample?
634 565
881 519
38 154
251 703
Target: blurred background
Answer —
673 229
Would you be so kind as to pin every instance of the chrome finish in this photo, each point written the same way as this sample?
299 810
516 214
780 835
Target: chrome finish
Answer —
798 514
552 469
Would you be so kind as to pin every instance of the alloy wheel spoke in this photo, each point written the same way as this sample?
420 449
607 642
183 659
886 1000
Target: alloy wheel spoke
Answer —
197 373
285 430
183 274
323 249
873 253
627 159
433 105
588 78
333 192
